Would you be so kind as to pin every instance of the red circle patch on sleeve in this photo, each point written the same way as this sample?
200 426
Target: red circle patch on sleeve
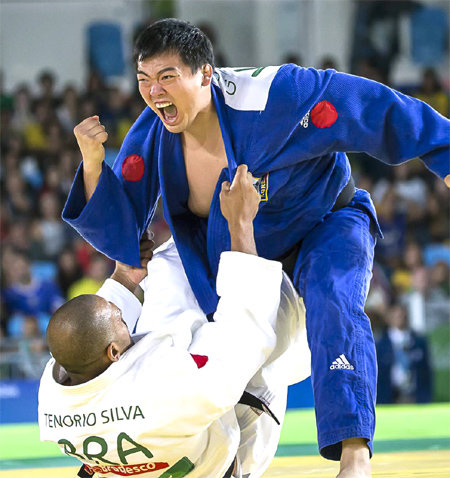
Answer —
133 168
324 114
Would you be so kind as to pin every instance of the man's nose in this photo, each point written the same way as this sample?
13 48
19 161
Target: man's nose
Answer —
156 89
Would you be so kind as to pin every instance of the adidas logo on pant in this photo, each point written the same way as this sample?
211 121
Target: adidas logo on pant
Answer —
341 363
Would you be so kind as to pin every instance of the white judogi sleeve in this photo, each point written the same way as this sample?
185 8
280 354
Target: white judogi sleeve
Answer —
168 297
249 291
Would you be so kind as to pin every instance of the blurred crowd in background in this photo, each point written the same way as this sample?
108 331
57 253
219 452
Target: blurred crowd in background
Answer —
44 262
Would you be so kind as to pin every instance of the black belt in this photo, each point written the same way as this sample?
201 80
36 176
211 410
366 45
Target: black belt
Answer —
345 196
255 402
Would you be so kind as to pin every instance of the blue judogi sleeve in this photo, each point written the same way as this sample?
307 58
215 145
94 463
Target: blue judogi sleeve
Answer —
124 201
346 113
390 126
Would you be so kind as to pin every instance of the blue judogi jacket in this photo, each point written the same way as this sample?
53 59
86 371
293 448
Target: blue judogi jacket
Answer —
292 127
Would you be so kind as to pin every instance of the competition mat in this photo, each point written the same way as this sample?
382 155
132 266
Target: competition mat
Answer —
411 441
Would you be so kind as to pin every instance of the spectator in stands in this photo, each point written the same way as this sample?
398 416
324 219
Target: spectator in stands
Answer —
88 106
55 139
376 33
3 314
47 94
67 111
35 133
379 298
294 58
371 68
24 294
19 236
439 278
411 262
67 165
98 271
437 297
393 225
404 372
30 171
22 113
4 224
69 270
411 188
49 231
438 212
135 109
219 55
114 114
428 300
18 197
6 100
410 282
328 62
95 89
411 196
32 349
431 92
52 181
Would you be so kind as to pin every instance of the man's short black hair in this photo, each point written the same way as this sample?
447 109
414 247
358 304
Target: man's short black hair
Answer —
171 35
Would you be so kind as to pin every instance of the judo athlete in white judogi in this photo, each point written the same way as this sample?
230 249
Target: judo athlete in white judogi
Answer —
166 406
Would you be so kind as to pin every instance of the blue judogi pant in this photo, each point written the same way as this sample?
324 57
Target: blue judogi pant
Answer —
332 274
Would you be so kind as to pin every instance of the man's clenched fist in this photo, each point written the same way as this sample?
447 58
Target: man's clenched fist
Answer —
91 135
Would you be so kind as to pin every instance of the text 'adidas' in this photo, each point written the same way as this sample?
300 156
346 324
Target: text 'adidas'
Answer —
341 363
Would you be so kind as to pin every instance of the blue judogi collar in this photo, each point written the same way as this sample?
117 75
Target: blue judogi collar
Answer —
193 235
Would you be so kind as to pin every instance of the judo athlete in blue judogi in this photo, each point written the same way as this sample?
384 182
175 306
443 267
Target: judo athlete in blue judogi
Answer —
292 127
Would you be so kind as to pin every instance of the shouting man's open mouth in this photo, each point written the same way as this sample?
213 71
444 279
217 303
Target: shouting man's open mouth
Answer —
168 111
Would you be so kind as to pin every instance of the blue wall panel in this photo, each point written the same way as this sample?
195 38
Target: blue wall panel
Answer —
300 395
18 401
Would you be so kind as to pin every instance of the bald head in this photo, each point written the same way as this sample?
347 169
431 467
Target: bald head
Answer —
81 332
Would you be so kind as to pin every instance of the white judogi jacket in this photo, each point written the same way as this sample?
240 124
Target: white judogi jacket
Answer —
168 408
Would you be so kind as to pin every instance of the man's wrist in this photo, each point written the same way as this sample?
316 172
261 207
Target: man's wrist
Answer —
125 280
92 167
242 238
91 177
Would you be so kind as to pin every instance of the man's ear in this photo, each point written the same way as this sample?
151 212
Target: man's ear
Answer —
207 73
113 352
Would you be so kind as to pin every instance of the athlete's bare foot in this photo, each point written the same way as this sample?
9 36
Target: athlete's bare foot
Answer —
355 459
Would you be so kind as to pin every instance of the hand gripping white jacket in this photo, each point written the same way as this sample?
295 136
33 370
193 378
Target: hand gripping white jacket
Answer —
168 408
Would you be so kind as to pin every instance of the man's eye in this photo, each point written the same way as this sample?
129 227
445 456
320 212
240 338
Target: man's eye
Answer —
167 77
